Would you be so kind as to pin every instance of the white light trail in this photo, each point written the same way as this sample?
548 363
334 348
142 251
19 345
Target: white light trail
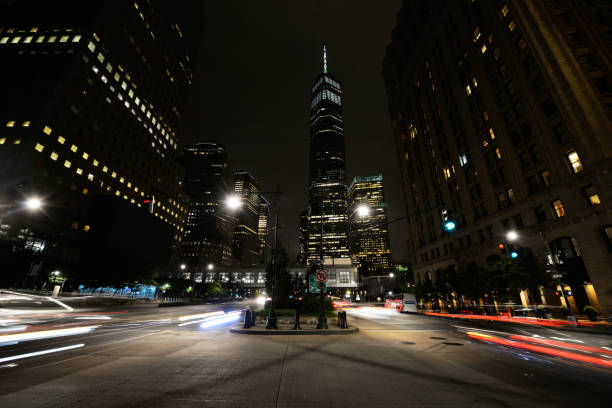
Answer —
60 303
39 353
200 316
13 328
45 334
230 317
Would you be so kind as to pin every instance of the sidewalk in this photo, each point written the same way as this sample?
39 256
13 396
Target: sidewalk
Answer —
287 329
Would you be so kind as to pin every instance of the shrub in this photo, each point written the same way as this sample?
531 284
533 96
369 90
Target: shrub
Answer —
591 313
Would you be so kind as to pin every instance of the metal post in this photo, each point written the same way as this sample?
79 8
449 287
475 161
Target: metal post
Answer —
271 321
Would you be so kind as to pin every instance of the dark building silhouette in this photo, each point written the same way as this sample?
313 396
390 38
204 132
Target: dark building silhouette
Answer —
327 221
93 96
501 113
209 230
247 243
369 231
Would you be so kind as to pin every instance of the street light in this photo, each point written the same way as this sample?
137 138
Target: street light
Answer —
183 266
210 266
363 211
391 274
33 203
511 235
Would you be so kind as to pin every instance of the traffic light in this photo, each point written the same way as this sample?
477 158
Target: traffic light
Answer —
502 249
448 221
513 251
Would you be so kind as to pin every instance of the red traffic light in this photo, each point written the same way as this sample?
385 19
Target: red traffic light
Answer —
146 201
501 246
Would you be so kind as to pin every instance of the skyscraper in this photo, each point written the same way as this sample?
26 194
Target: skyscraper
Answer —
247 245
508 126
210 226
93 96
369 231
263 227
327 220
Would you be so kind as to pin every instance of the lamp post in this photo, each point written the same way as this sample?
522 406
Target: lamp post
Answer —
552 260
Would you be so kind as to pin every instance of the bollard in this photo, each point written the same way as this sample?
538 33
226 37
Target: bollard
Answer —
339 323
247 319
344 322
252 313
296 325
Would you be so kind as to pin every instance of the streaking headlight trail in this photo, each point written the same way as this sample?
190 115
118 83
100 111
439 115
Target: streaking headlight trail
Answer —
200 316
227 318
44 334
39 353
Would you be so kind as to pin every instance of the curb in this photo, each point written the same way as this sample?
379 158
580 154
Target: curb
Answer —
289 332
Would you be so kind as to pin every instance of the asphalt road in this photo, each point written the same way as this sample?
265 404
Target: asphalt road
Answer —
144 356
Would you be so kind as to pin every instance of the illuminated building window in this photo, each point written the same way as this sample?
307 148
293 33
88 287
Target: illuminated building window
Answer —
85 191
64 38
116 77
121 179
26 123
90 177
505 10
483 49
85 156
10 123
511 25
86 228
114 175
39 147
52 38
447 173
91 46
468 90
105 169
129 184
95 163
117 193
75 225
4 40
74 148
61 140
462 160
558 209
54 156
17 141
76 38
34 29
575 162
498 153
474 82
491 133
592 195
40 39
109 68
100 57
28 39
2 140
67 164
476 34
47 130
79 171
511 194
15 40
485 116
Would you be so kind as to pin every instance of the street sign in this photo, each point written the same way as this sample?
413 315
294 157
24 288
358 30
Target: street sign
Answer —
321 275
313 285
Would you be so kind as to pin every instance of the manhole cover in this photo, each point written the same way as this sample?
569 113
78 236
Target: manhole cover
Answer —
451 343
406 342
438 338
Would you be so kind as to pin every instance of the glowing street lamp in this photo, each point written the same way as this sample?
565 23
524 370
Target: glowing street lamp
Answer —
363 211
511 235
391 274
183 266
210 266
33 204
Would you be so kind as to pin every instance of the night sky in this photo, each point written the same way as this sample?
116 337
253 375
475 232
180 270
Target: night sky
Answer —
252 85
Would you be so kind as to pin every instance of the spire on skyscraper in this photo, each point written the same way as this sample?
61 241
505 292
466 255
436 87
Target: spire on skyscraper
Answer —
324 59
